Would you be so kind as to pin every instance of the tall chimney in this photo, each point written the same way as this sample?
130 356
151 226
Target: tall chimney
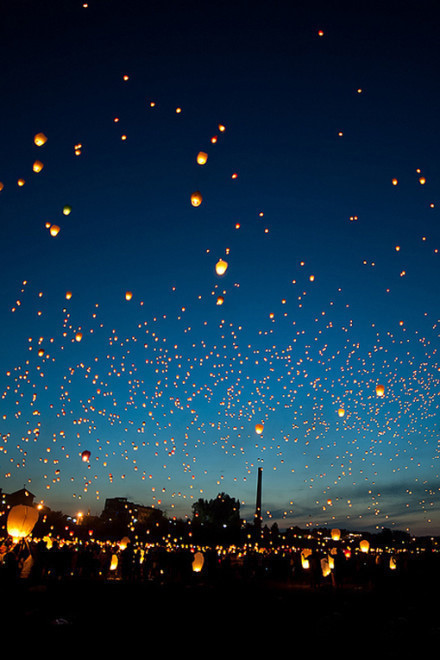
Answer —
257 518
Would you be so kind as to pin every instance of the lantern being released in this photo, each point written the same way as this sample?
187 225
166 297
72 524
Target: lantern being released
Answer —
21 521
198 560
336 534
364 545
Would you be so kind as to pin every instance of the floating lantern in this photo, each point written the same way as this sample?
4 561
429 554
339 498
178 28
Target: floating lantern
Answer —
128 295
114 562
21 521
220 300
305 553
41 352
20 182
67 209
196 198
202 157
394 182
221 267
198 561
2 185
364 545
422 180
40 139
380 390
78 336
259 428
85 456
37 166
68 295
54 230
124 542
341 412
336 534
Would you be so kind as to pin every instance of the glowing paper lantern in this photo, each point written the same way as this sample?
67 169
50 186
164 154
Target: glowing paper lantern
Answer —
393 563
394 182
85 456
196 198
341 412
124 542
305 553
220 300
20 182
336 534
202 157
380 390
259 428
37 166
221 267
198 561
325 567
21 521
2 185
40 139
78 336
68 295
114 562
67 209
364 545
128 295
422 180
54 230
41 352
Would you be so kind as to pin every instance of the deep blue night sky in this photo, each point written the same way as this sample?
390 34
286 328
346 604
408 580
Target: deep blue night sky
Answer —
332 284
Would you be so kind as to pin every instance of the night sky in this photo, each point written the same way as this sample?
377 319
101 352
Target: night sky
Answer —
321 192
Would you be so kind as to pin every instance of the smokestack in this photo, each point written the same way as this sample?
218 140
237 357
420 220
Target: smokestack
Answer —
257 518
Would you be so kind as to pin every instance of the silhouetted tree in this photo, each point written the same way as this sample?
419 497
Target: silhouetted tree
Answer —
218 519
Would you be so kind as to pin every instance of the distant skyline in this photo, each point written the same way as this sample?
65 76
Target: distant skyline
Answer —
320 191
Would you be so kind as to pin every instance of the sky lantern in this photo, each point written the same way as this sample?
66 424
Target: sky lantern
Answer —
196 198
21 521
37 166
41 352
67 209
336 534
202 157
124 542
78 336
220 300
221 128
54 230
68 295
221 267
85 456
128 295
341 412
259 428
364 545
394 182
422 180
20 182
380 390
198 561
40 139
2 185
305 554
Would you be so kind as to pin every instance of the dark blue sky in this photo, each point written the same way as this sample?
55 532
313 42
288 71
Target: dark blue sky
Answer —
332 284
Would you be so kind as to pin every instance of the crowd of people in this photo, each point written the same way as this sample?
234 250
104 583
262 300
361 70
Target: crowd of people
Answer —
37 561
